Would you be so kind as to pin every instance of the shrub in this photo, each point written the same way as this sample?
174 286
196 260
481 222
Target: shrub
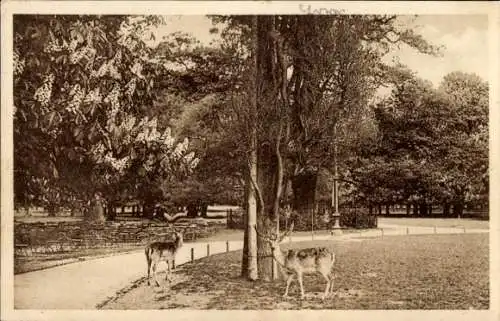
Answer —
357 218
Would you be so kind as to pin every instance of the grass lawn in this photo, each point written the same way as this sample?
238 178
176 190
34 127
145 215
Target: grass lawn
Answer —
438 222
396 272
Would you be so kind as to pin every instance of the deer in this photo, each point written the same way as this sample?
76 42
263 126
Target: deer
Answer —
158 251
297 262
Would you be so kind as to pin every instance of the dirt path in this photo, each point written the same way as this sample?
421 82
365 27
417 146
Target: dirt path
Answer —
85 285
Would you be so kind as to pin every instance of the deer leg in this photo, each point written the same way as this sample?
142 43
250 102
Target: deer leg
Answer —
299 277
149 269
332 276
328 284
327 288
168 273
155 274
289 281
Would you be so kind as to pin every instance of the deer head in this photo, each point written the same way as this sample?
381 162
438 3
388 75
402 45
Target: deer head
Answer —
275 239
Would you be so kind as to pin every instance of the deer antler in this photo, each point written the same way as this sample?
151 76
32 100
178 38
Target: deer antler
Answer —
287 232
263 236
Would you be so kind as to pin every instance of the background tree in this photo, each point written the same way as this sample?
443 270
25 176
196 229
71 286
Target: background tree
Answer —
79 84
431 148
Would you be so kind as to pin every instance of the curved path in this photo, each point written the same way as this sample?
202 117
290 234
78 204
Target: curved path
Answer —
84 285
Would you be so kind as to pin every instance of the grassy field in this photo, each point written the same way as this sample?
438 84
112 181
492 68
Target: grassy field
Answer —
438 222
397 272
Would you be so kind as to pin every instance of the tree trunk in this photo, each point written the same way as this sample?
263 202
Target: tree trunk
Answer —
408 209
266 264
111 211
458 209
96 214
387 209
250 260
245 255
52 210
415 209
379 208
148 210
304 194
204 210
446 209
422 209
192 211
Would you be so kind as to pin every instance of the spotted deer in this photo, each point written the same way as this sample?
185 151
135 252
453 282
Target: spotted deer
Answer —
297 262
158 251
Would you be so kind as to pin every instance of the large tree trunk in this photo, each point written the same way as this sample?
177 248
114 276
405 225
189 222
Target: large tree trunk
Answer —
265 219
266 91
304 193
250 260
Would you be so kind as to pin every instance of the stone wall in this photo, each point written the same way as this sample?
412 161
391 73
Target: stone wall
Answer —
62 236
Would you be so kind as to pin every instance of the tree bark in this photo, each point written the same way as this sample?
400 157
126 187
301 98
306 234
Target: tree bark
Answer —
245 255
446 209
96 214
267 91
415 209
192 211
250 255
458 209
204 210
52 210
304 194
250 260
423 209
148 210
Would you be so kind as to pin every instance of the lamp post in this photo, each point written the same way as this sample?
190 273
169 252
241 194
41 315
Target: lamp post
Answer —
336 229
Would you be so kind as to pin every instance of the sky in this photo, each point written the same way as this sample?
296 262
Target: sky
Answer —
464 39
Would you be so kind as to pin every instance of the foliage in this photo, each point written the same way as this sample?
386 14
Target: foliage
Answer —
83 88
432 144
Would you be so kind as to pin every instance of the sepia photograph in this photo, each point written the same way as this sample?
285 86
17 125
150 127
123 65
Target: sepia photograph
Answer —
296 156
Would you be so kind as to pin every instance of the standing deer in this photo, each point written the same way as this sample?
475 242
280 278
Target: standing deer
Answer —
158 251
296 262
